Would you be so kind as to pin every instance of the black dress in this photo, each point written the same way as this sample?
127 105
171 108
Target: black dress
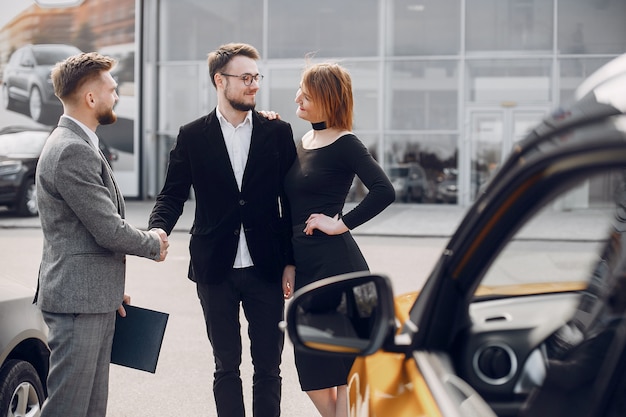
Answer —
318 182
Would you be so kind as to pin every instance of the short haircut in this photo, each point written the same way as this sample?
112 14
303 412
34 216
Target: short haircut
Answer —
330 88
220 58
69 75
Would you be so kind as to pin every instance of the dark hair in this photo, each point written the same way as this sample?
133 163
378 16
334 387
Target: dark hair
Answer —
219 58
69 75
330 87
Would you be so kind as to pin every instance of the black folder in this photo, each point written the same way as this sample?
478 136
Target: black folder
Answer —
138 338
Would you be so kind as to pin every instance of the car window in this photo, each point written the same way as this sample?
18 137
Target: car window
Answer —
15 58
398 172
52 55
26 59
555 246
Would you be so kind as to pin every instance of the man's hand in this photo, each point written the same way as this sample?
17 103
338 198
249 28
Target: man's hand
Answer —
269 115
289 279
164 243
121 309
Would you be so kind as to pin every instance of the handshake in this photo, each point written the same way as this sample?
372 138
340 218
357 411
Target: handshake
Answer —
164 243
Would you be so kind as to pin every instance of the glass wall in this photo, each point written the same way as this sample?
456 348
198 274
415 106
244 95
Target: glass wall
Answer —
442 88
190 29
423 95
509 25
326 28
520 81
591 27
427 27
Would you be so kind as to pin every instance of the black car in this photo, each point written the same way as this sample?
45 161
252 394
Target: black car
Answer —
26 83
20 147
514 320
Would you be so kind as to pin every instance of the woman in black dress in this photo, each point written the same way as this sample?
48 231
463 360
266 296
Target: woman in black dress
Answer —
329 156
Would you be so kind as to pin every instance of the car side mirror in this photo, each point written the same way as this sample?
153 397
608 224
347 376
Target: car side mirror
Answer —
350 314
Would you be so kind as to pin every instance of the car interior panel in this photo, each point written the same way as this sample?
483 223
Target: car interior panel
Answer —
446 385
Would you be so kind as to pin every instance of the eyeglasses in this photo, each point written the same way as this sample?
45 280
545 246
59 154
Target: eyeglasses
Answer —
246 78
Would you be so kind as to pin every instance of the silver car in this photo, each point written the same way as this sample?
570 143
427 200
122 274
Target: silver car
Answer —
24 352
26 83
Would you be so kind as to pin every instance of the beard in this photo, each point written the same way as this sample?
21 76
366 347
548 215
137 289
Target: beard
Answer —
106 117
239 104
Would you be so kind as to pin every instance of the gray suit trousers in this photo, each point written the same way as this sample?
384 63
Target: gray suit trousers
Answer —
81 354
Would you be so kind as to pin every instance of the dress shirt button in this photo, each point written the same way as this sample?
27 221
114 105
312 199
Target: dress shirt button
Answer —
242 202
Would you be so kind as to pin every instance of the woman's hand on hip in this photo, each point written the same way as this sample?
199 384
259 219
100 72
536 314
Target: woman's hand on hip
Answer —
329 225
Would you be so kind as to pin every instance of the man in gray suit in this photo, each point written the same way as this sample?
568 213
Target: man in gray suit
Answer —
86 239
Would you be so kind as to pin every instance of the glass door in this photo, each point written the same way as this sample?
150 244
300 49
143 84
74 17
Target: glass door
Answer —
491 134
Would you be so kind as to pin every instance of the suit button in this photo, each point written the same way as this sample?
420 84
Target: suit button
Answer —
242 202
236 232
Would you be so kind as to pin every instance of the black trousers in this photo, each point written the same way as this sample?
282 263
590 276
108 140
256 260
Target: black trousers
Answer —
263 306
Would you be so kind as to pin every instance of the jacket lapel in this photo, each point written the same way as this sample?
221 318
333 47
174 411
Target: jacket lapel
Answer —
118 200
257 145
217 153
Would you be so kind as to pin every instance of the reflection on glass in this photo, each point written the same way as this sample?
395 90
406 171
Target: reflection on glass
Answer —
486 141
424 28
424 95
410 183
322 29
406 65
422 168
207 25
509 25
179 100
591 27
365 80
520 81
338 319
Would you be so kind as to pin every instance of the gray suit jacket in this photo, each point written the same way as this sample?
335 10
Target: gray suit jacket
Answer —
85 235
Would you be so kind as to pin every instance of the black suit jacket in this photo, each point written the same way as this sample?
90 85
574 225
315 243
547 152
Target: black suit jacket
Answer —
200 160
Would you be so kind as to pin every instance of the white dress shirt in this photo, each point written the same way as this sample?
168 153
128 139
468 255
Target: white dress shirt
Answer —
237 141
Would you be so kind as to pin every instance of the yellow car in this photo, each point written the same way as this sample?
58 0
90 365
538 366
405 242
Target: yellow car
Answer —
522 315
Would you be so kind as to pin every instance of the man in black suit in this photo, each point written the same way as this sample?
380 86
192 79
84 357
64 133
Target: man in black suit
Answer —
236 160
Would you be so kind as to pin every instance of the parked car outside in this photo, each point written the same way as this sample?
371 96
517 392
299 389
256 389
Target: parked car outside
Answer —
20 147
24 352
26 83
410 183
447 188
503 323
